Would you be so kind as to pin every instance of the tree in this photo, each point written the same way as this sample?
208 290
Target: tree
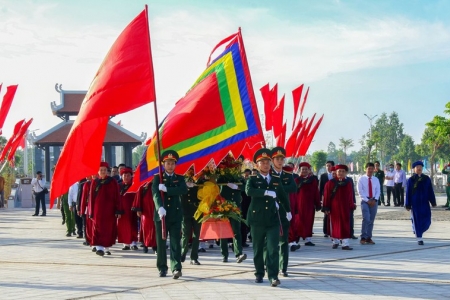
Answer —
332 152
407 150
318 160
137 154
345 144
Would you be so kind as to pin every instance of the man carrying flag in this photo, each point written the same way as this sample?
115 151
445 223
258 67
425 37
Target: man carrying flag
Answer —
167 197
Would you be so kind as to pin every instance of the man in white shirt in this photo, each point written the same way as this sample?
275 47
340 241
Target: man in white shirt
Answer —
399 185
369 191
390 184
38 185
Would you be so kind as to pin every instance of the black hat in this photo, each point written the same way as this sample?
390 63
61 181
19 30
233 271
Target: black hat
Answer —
261 154
169 155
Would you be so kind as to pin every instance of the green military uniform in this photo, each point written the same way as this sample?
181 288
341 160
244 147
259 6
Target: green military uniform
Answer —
289 186
176 186
189 203
380 175
447 188
235 196
69 216
264 220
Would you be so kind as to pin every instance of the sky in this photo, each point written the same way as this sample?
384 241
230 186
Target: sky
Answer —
358 57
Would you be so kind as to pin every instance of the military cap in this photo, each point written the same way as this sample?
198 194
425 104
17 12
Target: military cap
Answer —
278 151
169 155
261 154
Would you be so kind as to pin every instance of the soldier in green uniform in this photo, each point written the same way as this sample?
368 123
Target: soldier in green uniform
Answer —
446 171
289 186
190 226
263 216
380 175
172 187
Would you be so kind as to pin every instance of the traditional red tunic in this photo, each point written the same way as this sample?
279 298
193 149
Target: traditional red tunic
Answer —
293 234
83 208
338 200
102 207
127 226
143 202
308 199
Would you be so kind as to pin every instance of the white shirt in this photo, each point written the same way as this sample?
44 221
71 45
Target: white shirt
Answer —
73 194
363 188
400 177
266 178
390 182
330 176
37 185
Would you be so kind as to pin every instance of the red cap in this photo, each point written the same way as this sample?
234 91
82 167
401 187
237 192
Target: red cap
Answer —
341 167
304 164
126 170
104 164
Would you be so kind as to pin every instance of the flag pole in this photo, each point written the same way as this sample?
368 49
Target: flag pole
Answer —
4 165
158 142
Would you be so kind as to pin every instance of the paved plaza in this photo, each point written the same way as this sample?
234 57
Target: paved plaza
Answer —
38 262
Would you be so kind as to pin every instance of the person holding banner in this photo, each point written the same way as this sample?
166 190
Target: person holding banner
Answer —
167 197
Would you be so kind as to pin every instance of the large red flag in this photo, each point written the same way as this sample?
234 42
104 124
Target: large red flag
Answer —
10 141
18 139
277 118
304 101
6 104
305 146
296 96
123 82
290 144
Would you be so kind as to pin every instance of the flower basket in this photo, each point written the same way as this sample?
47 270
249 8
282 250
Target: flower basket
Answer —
213 229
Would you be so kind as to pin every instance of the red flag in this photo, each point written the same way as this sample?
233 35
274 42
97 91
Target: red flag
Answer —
6 104
18 139
22 143
296 96
300 137
304 134
269 104
305 146
304 102
280 140
10 141
123 82
290 144
277 118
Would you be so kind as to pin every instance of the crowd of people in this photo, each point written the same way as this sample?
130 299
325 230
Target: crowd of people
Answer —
278 200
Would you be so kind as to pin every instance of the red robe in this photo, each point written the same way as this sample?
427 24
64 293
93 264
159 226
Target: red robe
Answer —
293 235
143 202
102 207
83 209
339 204
308 200
127 225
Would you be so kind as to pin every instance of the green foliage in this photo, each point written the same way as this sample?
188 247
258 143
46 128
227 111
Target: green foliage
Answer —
137 154
407 150
345 144
318 160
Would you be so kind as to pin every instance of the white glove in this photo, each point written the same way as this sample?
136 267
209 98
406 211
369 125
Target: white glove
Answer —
190 184
232 186
276 204
161 212
289 216
271 194
162 187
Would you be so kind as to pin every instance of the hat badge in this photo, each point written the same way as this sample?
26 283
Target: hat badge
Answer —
170 155
264 154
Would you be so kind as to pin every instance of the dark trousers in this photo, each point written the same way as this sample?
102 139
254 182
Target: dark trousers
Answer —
352 223
174 230
78 223
325 224
284 247
398 194
190 227
266 246
244 209
390 190
40 200
237 240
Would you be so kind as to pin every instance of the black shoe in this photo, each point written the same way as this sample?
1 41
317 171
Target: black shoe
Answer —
258 279
347 248
335 246
211 246
176 274
388 204
108 253
310 244
69 234
448 208
62 223
126 248
354 237
241 258
43 215
145 249
201 250
162 273
195 262
100 252
225 259
420 243
325 235
183 257
79 236
284 274
275 282
94 249
85 244
245 245
134 247
35 215
218 242
295 247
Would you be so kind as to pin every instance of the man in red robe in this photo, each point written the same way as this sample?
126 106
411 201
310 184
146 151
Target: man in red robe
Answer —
127 225
144 207
103 210
308 202
338 205
82 212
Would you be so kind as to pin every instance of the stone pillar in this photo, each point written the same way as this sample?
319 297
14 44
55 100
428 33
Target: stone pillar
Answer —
108 157
113 156
47 164
38 162
128 153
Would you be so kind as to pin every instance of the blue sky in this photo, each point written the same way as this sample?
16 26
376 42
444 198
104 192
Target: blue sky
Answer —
357 56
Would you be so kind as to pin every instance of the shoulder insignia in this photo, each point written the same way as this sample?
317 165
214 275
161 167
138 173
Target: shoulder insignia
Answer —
276 176
287 172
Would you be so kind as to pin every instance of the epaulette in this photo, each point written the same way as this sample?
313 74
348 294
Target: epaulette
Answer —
277 176
287 172
253 175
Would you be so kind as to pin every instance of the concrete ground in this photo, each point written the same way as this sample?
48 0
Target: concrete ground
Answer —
37 261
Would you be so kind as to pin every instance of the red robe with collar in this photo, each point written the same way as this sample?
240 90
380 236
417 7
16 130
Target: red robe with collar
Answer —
308 199
143 202
127 225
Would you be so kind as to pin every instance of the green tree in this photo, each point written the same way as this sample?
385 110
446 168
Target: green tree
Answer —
137 154
407 150
332 152
345 144
318 160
